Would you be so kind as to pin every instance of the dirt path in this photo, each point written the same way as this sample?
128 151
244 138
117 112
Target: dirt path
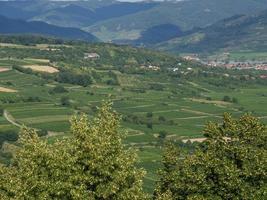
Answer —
197 117
196 112
11 119
194 140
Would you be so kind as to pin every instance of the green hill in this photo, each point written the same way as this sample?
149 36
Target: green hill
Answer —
160 97
241 32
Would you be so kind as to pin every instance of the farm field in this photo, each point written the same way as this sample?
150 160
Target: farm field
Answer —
155 105
248 56
238 56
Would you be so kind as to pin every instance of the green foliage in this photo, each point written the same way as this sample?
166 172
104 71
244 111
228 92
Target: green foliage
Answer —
149 114
73 78
226 99
1 111
230 164
65 101
58 89
8 135
91 164
29 39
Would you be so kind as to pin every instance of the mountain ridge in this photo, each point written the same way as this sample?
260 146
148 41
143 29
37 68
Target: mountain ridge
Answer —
15 26
239 32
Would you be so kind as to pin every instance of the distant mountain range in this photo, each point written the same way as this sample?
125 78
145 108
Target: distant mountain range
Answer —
14 26
112 20
186 15
176 26
240 32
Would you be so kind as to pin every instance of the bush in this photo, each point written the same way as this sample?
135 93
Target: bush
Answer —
1 111
58 89
149 114
149 125
226 99
8 135
65 101
235 100
162 119
162 134
73 78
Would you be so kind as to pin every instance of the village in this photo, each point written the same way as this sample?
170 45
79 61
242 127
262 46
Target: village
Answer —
257 65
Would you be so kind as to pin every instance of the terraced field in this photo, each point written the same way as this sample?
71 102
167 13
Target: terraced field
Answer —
154 106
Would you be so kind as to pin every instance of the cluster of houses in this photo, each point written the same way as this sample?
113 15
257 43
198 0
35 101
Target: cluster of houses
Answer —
193 57
239 65
263 76
150 67
230 65
91 56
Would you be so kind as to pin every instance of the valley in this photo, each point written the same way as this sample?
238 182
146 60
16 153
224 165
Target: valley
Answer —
160 97
133 100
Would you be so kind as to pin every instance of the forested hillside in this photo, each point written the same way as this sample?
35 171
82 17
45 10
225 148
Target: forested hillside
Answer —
13 26
240 32
184 14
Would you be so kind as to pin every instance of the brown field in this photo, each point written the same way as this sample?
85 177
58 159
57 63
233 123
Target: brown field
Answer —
42 68
37 60
194 140
2 69
2 89
219 103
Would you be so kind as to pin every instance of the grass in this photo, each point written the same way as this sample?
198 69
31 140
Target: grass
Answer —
248 56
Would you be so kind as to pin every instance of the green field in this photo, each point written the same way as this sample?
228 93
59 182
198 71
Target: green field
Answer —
248 56
151 103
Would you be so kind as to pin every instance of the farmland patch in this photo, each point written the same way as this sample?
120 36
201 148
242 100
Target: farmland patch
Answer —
7 90
42 68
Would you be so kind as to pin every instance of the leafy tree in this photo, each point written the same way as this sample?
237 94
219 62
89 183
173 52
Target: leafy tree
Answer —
149 114
162 119
235 100
149 125
8 135
65 101
91 164
1 110
226 99
58 89
162 135
230 164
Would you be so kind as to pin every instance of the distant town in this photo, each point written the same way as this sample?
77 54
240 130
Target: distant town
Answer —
258 65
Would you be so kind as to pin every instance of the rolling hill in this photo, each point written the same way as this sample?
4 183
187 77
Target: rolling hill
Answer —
160 97
13 26
240 32
121 21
